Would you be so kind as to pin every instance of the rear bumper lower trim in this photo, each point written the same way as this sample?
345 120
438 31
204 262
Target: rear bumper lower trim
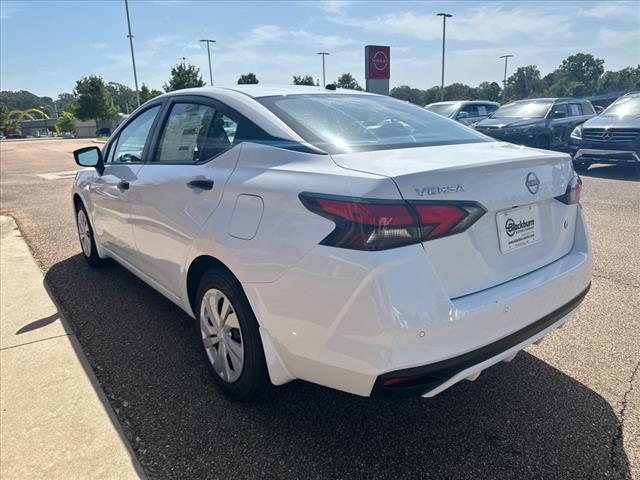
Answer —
429 377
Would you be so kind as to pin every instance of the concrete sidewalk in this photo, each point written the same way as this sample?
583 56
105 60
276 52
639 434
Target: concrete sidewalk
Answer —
55 421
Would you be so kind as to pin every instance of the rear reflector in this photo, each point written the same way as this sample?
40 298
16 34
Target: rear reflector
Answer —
368 224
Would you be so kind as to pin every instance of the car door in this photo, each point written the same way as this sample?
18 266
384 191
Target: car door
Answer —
110 190
560 125
181 184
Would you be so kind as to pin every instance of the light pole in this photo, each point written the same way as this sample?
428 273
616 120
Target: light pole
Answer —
133 58
444 30
324 54
504 82
44 117
208 42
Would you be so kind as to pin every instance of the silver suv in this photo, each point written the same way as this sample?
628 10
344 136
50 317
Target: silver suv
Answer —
466 112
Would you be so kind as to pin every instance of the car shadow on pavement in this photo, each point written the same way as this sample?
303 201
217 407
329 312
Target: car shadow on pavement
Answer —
523 420
614 172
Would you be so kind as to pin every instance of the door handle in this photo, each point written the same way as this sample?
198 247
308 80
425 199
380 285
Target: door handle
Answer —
123 185
202 184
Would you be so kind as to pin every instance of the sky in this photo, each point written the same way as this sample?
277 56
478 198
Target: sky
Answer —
45 46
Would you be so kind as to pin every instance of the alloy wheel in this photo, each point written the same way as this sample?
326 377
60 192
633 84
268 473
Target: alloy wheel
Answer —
84 232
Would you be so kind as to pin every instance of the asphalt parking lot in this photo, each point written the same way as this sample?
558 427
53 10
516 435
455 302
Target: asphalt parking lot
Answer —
567 409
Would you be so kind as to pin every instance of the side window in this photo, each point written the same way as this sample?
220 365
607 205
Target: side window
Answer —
482 111
131 140
194 133
560 111
491 109
587 109
470 111
575 109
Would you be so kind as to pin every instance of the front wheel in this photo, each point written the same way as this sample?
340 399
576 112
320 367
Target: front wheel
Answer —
87 239
229 335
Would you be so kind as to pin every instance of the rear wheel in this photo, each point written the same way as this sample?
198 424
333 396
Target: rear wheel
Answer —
229 335
87 240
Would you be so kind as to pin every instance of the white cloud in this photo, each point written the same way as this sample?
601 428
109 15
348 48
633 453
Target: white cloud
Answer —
335 7
610 10
485 24
630 39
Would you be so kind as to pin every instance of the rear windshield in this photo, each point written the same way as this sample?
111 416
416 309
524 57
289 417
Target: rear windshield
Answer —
624 106
340 123
523 110
444 109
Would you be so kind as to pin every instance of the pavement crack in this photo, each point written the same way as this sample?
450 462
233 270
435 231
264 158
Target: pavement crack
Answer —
617 440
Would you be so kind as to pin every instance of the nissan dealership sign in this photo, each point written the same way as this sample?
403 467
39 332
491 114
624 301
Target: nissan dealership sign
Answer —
377 68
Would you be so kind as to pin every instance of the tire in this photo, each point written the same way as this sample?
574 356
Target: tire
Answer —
543 142
87 240
241 371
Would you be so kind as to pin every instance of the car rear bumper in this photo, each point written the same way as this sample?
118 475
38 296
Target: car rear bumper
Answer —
606 156
351 325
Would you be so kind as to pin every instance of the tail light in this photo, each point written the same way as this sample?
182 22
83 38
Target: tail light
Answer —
574 189
367 224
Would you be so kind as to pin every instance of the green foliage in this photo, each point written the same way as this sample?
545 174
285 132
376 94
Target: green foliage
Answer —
66 122
94 101
248 79
23 100
123 97
346 80
66 102
526 82
459 91
184 76
147 93
625 79
581 68
303 80
489 91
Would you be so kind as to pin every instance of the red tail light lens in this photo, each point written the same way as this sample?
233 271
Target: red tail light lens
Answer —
365 224
574 189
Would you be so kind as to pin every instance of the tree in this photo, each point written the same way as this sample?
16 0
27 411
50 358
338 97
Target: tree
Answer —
184 76
346 80
489 91
24 99
459 91
625 79
408 94
303 80
66 122
248 79
123 97
526 82
94 101
147 93
582 68
66 102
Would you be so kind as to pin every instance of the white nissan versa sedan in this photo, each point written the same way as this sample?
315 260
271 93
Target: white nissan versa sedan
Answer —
343 238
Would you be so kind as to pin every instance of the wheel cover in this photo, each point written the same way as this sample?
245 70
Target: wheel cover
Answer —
222 335
84 232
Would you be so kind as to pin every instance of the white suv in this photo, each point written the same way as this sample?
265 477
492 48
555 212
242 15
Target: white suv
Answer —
343 238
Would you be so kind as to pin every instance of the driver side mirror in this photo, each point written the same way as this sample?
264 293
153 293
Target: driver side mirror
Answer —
559 114
599 109
89 157
462 115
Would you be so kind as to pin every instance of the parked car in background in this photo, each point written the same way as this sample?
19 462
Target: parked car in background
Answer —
612 137
466 112
348 239
541 122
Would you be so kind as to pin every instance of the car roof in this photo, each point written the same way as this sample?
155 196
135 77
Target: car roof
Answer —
259 91
464 102
551 100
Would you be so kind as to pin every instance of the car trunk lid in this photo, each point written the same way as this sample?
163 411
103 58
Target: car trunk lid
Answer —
500 177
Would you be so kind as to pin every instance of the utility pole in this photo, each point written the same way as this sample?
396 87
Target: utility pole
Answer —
208 42
324 79
133 58
444 30
504 82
